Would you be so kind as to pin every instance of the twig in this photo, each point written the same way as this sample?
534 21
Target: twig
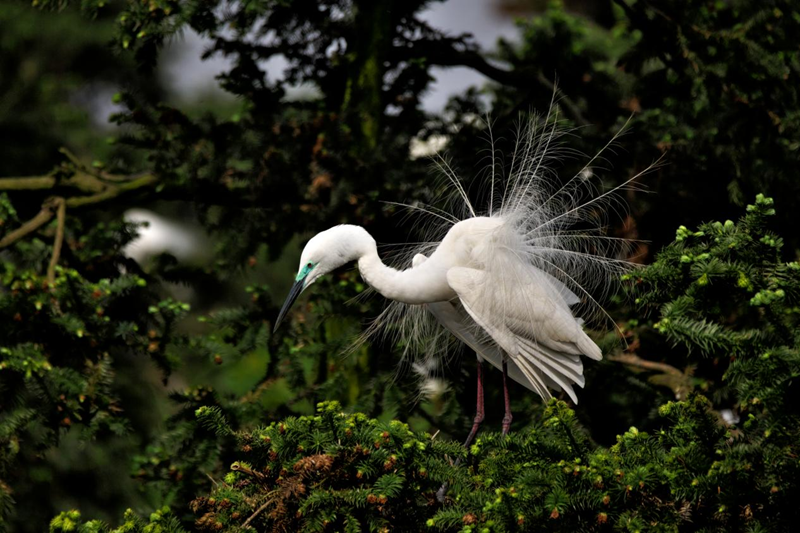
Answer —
72 157
635 360
258 511
61 215
238 467
112 191
679 382
43 217
81 180
96 172
27 183
107 192
99 185
115 178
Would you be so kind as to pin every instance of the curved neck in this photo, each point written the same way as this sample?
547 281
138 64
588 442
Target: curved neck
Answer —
418 285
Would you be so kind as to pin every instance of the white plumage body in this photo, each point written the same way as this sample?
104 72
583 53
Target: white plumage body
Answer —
510 282
524 311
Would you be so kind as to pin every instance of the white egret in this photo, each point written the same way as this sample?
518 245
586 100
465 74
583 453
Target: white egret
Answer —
510 281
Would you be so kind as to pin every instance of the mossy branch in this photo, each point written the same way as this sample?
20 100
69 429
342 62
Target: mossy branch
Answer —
678 381
41 218
100 187
61 215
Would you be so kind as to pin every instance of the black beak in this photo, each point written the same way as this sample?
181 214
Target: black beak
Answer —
297 288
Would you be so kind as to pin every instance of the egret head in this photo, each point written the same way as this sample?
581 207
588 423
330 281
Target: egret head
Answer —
326 251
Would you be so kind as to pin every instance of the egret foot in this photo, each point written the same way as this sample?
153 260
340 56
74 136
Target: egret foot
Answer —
476 424
508 417
507 423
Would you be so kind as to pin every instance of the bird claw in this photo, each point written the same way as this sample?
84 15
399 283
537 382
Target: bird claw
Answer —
507 424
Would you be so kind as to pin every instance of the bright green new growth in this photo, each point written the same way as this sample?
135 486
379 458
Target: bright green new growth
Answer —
346 472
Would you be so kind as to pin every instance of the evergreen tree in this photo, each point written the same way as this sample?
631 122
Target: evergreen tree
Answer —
722 290
85 328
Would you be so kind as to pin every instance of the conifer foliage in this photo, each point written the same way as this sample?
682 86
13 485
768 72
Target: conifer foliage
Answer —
64 330
721 291
115 394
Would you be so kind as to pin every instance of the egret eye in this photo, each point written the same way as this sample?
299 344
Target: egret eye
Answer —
310 264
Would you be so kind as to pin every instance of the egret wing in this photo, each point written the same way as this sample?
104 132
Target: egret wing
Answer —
449 316
536 329
554 286
457 321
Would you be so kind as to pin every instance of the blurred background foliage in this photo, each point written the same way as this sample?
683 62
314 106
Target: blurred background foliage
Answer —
108 349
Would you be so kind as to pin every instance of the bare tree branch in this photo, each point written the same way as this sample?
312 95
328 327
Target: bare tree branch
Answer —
112 191
635 360
61 216
675 379
98 185
255 514
28 183
42 218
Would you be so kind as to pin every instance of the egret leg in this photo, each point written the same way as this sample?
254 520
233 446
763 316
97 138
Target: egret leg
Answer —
476 424
507 417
